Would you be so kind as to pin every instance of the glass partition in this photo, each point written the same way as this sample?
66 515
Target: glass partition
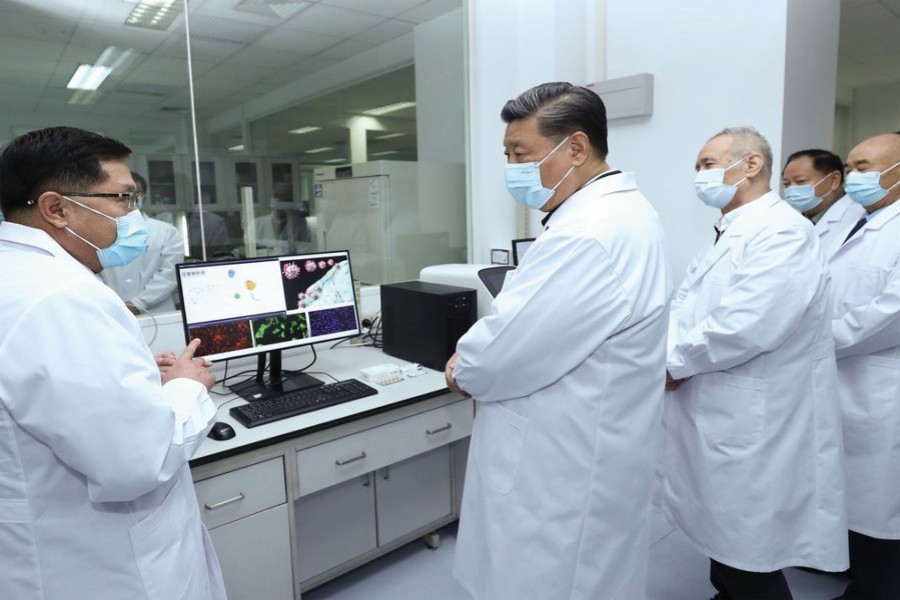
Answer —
317 125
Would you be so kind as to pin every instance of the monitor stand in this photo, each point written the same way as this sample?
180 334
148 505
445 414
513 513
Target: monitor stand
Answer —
261 388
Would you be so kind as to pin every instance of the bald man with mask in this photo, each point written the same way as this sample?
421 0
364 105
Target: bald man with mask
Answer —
866 273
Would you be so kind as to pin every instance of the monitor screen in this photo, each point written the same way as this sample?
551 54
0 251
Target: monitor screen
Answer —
519 248
255 305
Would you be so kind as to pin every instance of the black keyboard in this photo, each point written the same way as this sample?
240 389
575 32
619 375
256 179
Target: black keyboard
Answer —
302 401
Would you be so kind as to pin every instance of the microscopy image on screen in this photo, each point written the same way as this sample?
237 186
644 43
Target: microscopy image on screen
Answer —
224 337
316 283
332 320
279 329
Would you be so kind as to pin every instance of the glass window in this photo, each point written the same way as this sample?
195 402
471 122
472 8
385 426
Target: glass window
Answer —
318 125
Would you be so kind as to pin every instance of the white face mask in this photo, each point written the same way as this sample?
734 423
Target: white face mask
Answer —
865 189
523 181
803 197
131 238
711 187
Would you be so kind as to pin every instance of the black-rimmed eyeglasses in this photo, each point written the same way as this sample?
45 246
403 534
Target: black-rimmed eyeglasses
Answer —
131 199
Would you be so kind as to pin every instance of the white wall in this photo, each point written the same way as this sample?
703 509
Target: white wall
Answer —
514 45
716 64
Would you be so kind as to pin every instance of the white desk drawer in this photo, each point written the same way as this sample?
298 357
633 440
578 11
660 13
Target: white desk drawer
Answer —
227 497
331 463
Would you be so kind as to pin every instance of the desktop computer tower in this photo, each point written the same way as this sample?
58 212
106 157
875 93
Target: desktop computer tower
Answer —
421 321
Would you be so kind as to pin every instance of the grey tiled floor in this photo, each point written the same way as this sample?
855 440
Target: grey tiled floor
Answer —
677 571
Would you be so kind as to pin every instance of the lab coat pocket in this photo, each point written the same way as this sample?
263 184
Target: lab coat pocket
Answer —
732 408
503 435
168 554
869 386
866 282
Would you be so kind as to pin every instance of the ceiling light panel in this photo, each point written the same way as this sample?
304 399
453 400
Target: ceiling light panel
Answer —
388 108
319 150
302 130
154 14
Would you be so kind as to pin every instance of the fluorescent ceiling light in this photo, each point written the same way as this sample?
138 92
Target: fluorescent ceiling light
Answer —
88 77
385 153
388 108
319 150
389 136
333 161
237 148
302 130
154 14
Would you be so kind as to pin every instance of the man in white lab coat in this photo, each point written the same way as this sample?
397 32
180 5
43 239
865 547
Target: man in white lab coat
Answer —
866 272
813 182
564 372
147 283
752 463
96 497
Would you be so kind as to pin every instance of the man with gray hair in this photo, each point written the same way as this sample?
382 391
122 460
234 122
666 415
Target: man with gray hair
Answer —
752 468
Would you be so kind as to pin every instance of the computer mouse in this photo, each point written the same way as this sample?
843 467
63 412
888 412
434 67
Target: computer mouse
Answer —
221 431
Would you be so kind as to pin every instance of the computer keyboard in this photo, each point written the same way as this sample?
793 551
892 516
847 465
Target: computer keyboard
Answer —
299 402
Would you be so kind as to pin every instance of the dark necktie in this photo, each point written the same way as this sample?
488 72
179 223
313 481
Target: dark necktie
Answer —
719 233
856 228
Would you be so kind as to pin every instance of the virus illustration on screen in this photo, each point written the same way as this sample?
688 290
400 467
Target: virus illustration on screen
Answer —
310 266
290 271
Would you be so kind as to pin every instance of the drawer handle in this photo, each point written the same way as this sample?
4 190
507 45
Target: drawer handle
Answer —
439 429
347 461
237 498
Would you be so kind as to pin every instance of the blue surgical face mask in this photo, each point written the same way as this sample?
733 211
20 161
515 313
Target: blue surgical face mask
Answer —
130 242
711 187
865 189
523 181
803 197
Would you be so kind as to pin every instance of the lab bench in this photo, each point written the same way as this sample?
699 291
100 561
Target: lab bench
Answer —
294 503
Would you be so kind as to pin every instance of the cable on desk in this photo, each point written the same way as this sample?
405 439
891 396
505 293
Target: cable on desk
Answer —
315 358
336 380
235 399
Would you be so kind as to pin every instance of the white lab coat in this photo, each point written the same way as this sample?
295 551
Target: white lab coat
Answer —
836 223
867 339
96 498
149 281
752 465
568 372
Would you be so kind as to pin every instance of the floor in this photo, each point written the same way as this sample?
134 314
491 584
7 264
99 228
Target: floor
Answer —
677 572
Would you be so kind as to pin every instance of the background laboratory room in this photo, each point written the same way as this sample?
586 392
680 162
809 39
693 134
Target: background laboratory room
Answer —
450 300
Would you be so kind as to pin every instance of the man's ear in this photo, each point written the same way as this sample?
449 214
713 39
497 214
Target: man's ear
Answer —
836 181
580 146
754 164
53 209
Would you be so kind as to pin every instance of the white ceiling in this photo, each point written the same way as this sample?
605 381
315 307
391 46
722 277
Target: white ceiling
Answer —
243 49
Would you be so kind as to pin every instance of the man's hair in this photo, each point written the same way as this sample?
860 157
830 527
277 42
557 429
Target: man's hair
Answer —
139 181
746 141
823 161
561 110
63 159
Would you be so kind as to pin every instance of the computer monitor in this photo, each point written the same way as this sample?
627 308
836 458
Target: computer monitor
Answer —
519 247
260 306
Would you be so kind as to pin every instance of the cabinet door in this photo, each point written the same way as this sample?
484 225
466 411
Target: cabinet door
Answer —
413 493
162 191
334 525
255 555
